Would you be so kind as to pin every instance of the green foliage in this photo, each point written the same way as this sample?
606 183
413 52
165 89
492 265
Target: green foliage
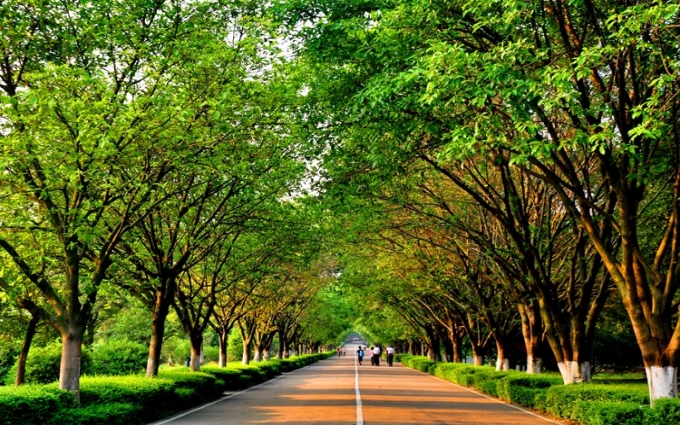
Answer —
587 404
525 390
118 357
232 378
96 414
153 396
32 404
560 399
607 413
42 365
7 358
665 411
197 387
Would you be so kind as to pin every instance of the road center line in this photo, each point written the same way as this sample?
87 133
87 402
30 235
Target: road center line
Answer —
360 413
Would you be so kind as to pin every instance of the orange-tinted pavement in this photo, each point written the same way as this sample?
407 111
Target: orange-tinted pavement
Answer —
324 393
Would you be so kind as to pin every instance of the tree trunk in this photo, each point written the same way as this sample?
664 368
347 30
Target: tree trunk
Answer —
433 345
160 314
478 354
245 359
89 333
456 340
282 345
662 381
25 347
502 362
257 357
531 332
71 351
223 338
196 351
286 349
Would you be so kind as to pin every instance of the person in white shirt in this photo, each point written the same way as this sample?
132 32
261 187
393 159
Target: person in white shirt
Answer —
376 355
390 355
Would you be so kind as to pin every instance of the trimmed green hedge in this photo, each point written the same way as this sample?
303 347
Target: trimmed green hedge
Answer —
587 404
135 399
32 404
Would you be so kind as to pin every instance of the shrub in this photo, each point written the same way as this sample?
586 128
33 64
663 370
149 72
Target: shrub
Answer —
665 411
32 404
153 396
464 375
42 365
607 413
231 378
110 414
561 399
118 357
420 363
526 390
487 381
203 386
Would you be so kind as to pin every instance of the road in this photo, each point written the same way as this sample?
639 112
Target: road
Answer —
327 393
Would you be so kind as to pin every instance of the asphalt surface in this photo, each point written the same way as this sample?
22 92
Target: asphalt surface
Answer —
327 393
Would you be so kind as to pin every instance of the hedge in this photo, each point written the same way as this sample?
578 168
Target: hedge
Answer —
134 399
587 404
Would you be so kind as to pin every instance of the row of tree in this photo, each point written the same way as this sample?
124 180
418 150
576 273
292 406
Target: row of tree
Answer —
149 146
525 157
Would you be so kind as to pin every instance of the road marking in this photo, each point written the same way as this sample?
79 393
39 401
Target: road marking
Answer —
360 413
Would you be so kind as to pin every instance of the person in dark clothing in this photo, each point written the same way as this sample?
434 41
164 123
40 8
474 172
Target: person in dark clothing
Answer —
360 355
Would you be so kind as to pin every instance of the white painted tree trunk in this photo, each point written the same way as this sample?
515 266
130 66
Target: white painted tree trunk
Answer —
662 381
478 360
257 357
534 365
266 356
573 372
502 364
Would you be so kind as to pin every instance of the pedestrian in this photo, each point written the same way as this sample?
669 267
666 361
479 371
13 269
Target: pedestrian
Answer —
372 352
390 355
360 355
343 351
376 355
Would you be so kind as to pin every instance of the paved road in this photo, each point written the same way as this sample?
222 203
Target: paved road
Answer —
326 393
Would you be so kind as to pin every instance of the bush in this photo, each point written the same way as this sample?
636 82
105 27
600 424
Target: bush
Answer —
153 396
606 413
32 404
132 399
118 357
42 365
420 363
487 381
110 414
665 411
202 386
526 390
561 400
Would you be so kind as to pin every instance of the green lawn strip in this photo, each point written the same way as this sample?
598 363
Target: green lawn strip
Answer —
617 399
135 399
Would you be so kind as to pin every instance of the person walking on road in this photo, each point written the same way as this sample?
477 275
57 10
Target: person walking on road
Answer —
376 355
360 355
390 355
372 356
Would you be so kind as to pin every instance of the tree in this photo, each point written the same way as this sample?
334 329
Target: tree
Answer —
582 96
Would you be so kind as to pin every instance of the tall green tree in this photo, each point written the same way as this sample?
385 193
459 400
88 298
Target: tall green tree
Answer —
101 106
582 95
